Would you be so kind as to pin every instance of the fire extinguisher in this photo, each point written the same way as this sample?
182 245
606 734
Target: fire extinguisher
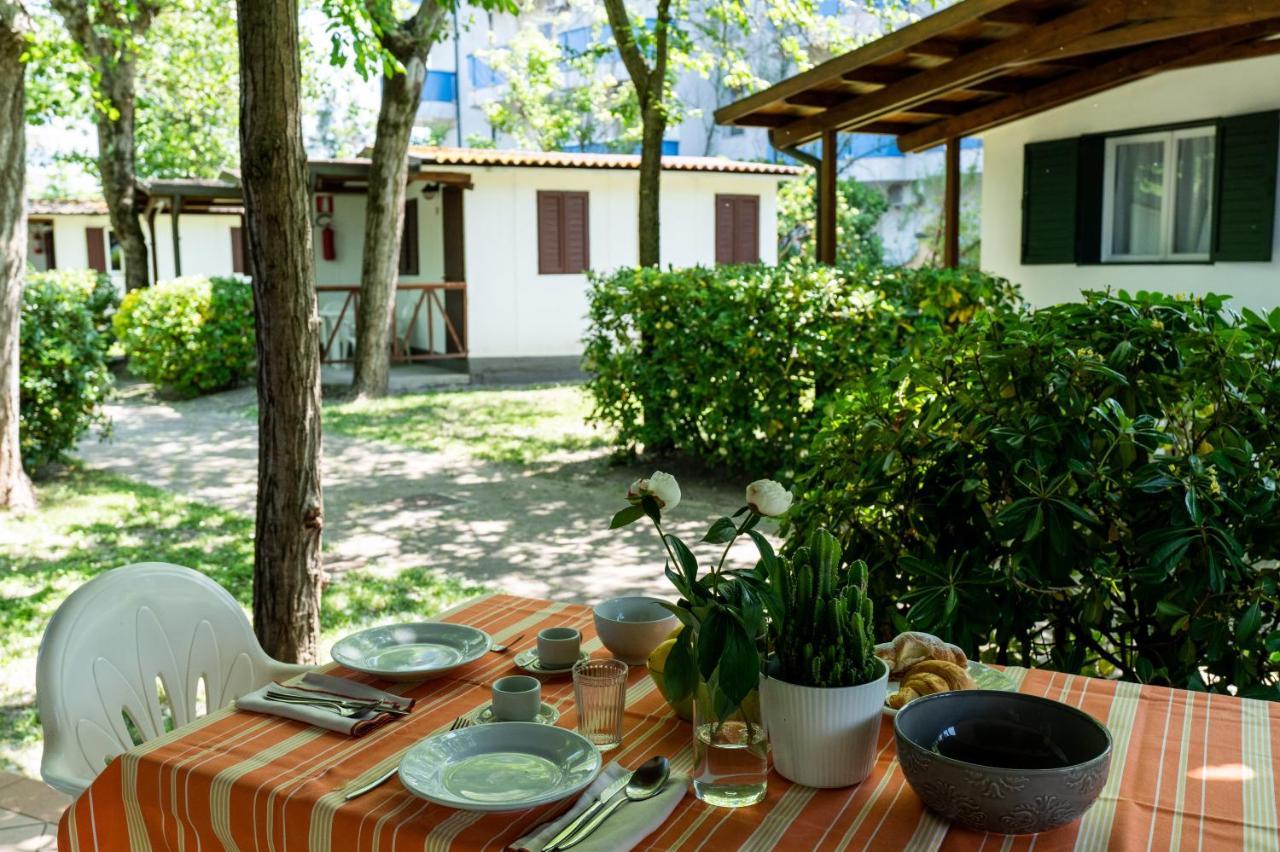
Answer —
324 219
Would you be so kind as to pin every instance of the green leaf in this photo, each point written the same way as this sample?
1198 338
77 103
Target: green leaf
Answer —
1249 623
739 669
626 516
681 673
651 508
721 532
711 639
688 563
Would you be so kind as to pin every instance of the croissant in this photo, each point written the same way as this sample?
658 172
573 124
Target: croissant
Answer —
915 685
955 676
910 648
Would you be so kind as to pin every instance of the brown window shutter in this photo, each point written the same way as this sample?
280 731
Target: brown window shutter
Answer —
237 251
95 238
746 230
724 229
577 236
409 239
550 233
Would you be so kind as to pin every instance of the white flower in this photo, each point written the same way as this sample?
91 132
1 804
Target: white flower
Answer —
768 498
661 486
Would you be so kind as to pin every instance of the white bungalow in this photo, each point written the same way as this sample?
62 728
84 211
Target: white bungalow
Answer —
495 252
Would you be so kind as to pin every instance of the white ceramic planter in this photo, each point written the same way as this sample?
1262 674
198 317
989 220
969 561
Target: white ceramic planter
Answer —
823 737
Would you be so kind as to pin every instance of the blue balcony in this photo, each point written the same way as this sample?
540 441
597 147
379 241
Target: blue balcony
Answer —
482 74
440 87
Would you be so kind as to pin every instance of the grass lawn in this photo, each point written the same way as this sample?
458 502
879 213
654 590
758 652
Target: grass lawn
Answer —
512 425
89 522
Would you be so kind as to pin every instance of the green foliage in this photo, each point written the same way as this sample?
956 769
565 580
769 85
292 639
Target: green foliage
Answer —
63 379
858 212
738 362
190 335
823 628
1091 487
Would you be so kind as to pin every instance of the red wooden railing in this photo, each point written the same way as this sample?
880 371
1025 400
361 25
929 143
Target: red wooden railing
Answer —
339 326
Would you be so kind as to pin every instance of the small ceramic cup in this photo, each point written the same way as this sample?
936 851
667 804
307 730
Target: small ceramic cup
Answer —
558 647
517 698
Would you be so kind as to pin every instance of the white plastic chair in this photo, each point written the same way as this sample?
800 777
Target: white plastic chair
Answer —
126 644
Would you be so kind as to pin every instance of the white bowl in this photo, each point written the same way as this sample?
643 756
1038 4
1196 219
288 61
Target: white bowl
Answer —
631 627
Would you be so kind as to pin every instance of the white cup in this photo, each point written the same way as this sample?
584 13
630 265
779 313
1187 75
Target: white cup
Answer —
558 647
517 698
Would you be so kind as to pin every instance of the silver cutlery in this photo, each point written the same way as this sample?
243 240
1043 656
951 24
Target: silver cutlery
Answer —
460 723
646 782
502 649
457 725
618 785
345 703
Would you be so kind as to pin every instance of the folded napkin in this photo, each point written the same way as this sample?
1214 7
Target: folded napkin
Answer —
625 827
317 686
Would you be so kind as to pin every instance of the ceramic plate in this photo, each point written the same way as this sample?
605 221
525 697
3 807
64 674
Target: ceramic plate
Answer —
506 766
528 660
985 676
407 652
547 715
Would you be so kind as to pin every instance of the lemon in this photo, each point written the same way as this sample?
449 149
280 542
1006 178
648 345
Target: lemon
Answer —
657 665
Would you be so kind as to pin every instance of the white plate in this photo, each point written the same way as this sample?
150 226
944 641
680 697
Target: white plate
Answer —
547 715
985 676
506 766
409 652
528 660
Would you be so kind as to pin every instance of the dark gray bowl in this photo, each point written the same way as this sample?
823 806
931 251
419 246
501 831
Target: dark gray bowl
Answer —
1001 798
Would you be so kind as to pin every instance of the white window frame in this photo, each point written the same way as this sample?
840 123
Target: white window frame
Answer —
1170 138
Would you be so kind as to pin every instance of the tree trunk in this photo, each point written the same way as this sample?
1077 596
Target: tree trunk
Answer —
108 42
653 128
287 574
384 208
15 488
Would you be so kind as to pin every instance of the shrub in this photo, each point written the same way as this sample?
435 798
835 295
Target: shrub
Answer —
734 364
1091 487
858 211
63 379
190 335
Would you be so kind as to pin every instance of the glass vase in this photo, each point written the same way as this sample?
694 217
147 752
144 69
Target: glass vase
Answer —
730 751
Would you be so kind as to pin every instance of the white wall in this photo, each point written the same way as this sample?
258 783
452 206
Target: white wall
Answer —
1212 91
204 240
513 311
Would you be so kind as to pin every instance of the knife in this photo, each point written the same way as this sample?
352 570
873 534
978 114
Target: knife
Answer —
603 799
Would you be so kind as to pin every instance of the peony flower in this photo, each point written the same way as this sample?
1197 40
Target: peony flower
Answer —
768 498
661 486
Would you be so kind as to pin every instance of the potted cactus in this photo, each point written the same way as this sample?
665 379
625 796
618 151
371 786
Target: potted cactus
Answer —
824 687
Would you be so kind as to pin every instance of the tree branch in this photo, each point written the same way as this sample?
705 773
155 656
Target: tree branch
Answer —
625 39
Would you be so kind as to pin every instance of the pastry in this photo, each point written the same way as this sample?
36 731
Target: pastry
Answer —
926 678
910 648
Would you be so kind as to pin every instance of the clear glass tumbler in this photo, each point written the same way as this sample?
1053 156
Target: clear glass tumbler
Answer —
600 690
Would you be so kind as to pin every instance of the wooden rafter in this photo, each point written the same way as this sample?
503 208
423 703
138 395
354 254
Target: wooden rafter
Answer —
1127 68
972 67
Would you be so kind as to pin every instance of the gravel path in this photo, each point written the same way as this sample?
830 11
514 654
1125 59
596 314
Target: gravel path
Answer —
540 532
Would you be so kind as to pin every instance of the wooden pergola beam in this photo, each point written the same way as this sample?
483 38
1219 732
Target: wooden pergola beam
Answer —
969 68
1152 31
834 69
951 207
1127 68
828 200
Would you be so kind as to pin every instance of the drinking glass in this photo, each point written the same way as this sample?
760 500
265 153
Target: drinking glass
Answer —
600 690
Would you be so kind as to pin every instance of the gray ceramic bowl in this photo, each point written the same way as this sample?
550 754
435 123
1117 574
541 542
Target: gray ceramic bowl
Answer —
631 627
997 798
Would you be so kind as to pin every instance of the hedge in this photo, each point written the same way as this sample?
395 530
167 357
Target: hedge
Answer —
63 379
733 364
190 335
1091 487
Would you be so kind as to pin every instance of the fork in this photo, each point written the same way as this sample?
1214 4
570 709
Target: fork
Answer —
502 649
457 725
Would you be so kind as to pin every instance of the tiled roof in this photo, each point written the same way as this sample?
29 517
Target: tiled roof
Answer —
428 155
66 207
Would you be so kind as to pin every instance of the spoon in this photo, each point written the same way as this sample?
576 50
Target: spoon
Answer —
646 782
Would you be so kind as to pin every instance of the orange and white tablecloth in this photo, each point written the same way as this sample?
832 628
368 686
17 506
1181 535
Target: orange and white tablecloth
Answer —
1190 771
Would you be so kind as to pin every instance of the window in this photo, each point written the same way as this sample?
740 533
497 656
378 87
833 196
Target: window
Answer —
564 244
115 252
1158 196
737 229
409 239
482 74
440 86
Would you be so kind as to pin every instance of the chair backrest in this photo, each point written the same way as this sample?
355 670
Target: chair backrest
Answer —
129 648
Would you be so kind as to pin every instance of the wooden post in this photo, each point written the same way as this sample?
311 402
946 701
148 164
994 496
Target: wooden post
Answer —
175 210
951 207
825 248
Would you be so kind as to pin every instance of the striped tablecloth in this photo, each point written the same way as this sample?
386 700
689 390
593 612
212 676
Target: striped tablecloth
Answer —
1190 771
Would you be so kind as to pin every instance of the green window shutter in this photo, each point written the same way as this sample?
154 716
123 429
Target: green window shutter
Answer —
1245 208
1090 170
1049 186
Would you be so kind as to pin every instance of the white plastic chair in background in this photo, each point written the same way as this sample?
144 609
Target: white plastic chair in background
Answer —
131 649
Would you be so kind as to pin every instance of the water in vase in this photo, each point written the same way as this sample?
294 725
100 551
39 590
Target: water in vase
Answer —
730 762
